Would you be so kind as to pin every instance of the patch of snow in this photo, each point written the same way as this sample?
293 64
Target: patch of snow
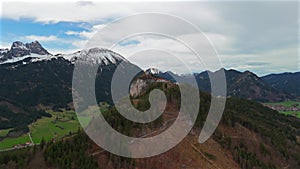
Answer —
90 56
45 57
33 55
70 56
2 51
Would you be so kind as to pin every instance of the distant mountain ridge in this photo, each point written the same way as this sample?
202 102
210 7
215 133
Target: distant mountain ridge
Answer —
287 82
270 88
245 84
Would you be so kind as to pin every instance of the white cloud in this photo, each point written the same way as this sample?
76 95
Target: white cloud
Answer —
71 33
80 44
41 38
274 61
47 12
242 32
86 34
169 54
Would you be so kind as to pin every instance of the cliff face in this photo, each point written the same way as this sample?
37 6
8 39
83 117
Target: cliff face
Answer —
140 86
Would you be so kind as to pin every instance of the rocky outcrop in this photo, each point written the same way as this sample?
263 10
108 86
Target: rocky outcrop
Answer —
139 86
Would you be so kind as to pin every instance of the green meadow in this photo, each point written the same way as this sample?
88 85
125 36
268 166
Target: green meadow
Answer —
11 142
285 103
59 125
288 104
292 113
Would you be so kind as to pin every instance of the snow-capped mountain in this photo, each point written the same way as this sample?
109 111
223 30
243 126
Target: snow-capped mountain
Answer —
19 51
42 78
34 52
99 56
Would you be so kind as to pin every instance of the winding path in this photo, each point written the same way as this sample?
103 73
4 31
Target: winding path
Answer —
29 135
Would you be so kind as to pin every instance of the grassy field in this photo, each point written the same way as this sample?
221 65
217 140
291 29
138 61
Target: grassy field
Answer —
287 104
11 142
59 125
292 113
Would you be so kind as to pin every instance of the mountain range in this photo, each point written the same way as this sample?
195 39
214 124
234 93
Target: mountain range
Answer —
269 88
30 74
250 135
44 79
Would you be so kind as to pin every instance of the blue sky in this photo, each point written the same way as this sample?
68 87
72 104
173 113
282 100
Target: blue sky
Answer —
259 36
24 29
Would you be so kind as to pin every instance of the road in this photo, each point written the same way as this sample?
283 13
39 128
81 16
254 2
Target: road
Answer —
30 138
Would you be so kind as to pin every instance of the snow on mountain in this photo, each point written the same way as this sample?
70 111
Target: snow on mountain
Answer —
35 57
3 52
152 71
71 56
98 56
34 50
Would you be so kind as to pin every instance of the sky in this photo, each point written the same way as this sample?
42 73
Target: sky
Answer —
260 36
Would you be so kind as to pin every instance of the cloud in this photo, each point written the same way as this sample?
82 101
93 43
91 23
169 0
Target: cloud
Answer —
41 38
245 34
129 42
85 3
167 54
273 61
55 12
86 34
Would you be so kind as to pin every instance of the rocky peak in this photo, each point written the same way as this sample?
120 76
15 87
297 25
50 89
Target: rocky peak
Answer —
17 44
36 47
18 49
